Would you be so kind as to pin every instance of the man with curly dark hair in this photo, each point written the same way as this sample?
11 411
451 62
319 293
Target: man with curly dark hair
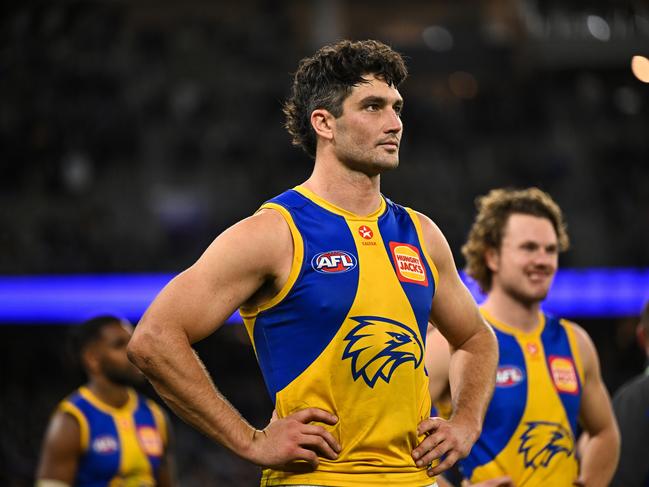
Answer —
336 285
548 386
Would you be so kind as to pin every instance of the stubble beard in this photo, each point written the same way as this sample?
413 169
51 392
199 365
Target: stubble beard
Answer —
368 162
124 377
525 298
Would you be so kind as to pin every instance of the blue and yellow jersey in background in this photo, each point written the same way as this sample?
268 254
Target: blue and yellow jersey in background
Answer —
346 334
122 446
531 423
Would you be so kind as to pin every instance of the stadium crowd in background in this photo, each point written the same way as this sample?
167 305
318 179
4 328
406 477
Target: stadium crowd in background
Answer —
125 146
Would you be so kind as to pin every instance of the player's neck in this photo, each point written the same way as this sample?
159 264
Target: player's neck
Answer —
108 392
507 309
351 190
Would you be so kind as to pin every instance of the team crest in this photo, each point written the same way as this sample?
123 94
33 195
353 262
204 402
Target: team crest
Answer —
377 346
542 441
333 261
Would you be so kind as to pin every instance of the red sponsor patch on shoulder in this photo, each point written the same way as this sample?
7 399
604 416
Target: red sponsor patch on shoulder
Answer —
564 374
408 263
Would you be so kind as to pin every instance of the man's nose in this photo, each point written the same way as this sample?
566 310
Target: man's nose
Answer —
394 123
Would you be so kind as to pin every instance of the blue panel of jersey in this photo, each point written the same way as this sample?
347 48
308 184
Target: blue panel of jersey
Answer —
555 343
396 225
500 426
300 327
97 469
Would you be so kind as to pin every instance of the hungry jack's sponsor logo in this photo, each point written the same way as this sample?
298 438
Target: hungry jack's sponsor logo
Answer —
563 374
408 264
150 441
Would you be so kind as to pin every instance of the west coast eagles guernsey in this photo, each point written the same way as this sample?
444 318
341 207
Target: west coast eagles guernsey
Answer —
123 447
346 334
531 423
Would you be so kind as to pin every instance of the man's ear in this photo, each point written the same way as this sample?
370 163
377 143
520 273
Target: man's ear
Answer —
492 259
322 122
89 359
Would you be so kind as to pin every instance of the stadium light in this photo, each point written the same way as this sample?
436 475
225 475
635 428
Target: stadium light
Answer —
66 299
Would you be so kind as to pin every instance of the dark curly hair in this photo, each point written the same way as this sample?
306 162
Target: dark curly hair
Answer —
489 226
325 79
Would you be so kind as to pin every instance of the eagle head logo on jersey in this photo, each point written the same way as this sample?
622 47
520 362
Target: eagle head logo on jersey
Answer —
377 346
542 440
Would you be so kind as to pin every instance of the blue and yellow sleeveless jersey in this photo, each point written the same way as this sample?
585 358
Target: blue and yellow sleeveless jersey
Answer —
346 334
122 446
531 423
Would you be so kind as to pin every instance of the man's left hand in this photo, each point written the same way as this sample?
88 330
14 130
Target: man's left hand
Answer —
449 438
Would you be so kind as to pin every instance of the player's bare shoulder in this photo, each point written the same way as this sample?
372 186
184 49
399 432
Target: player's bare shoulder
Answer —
586 347
273 234
436 244
261 242
267 240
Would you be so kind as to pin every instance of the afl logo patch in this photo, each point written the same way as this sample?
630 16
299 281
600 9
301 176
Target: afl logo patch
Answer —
104 445
408 264
508 376
333 261
563 374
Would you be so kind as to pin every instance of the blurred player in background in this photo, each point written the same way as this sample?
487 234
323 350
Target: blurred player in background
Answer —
105 433
548 383
631 406
336 285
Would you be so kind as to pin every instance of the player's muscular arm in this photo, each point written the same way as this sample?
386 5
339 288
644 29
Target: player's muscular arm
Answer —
601 451
250 258
472 368
60 453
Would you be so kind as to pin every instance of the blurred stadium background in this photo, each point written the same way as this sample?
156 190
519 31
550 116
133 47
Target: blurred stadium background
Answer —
132 133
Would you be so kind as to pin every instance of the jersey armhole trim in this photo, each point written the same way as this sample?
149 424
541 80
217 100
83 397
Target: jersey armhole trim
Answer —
420 235
296 265
574 346
75 412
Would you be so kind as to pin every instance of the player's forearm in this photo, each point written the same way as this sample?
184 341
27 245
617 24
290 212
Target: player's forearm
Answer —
600 457
181 380
472 375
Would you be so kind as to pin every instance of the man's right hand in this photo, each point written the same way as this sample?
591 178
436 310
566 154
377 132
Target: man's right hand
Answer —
288 442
